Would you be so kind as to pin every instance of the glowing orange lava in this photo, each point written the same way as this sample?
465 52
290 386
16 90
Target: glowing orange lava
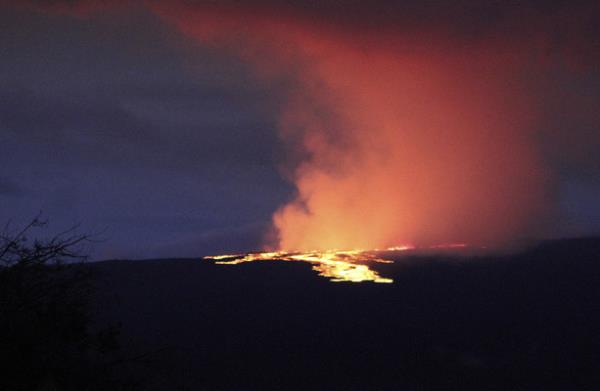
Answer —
337 265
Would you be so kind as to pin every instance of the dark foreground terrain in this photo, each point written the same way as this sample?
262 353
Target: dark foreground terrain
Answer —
522 322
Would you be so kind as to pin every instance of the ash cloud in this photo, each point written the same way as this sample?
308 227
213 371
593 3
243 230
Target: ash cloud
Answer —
413 122
407 121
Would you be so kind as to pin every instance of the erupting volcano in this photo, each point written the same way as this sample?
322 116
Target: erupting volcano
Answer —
390 136
394 194
395 127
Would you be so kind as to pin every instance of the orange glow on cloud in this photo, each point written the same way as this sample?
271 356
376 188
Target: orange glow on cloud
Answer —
401 140
403 124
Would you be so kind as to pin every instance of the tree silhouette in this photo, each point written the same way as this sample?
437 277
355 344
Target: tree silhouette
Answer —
46 336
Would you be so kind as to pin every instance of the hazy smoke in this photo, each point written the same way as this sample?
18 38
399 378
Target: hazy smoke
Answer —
403 139
405 123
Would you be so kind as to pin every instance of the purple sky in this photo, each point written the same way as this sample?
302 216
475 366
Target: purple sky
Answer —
166 148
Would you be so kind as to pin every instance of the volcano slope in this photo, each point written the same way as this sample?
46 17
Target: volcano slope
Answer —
525 321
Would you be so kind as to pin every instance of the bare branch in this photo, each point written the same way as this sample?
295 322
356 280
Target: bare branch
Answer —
62 247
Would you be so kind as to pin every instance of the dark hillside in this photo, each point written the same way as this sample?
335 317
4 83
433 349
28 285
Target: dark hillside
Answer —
522 322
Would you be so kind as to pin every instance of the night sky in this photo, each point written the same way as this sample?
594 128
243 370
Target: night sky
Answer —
167 146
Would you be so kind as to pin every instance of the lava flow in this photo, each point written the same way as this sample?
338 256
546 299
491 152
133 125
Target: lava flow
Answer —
337 265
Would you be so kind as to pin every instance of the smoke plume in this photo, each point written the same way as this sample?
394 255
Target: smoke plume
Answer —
404 123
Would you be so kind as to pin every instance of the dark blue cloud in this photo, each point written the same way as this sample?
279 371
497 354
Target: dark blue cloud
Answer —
149 140
9 188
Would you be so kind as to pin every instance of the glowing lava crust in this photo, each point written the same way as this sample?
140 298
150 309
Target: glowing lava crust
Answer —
337 265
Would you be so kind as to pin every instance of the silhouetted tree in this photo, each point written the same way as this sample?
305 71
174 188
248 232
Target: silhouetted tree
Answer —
46 337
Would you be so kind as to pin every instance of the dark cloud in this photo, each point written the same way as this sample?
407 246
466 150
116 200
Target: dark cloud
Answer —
9 188
542 28
572 123
563 21
134 136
